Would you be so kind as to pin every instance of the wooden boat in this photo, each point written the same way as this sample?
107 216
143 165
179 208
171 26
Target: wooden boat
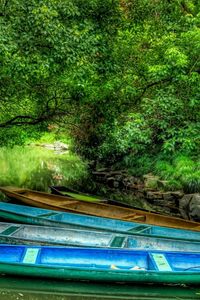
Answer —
44 217
41 235
45 200
66 191
58 289
115 265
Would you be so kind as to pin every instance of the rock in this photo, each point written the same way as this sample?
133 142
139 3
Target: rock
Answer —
135 186
60 146
110 181
194 208
189 206
100 174
102 170
150 181
114 173
154 195
177 194
168 196
116 184
139 194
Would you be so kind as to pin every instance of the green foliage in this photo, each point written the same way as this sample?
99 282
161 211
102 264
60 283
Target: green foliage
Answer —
123 75
173 185
164 169
138 165
181 171
149 100
15 135
131 136
53 135
191 183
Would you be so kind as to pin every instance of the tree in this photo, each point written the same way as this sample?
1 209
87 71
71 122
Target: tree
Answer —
95 64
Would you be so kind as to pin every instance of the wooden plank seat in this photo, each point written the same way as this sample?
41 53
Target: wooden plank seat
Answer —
134 217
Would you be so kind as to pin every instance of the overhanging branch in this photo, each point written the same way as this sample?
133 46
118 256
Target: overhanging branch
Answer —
30 120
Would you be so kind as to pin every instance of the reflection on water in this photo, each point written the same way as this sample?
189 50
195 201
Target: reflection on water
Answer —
32 289
37 168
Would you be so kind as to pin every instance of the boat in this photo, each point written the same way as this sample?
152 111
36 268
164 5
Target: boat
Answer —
38 216
17 234
114 265
66 191
34 289
56 202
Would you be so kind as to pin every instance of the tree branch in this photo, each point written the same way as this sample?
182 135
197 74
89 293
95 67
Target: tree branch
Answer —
148 86
29 120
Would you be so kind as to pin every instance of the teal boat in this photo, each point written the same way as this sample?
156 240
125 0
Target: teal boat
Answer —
114 265
42 235
45 217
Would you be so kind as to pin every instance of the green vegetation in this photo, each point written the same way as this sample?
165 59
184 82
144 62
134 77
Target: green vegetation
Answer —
38 168
182 172
120 77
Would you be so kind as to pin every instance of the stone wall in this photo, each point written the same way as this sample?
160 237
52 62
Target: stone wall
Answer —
145 189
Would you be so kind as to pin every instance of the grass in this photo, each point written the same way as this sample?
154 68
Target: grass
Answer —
183 172
51 137
37 168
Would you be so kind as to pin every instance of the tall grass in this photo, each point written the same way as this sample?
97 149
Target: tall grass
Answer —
182 172
37 168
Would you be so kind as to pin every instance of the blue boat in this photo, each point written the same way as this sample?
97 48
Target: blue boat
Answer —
39 216
19 234
101 264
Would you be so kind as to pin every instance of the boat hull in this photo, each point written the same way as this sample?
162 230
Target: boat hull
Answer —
79 275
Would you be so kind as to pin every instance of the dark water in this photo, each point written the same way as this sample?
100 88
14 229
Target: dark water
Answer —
32 289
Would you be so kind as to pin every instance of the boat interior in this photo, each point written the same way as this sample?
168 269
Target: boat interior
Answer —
101 259
43 235
84 207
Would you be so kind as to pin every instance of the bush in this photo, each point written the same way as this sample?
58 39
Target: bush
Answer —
182 171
